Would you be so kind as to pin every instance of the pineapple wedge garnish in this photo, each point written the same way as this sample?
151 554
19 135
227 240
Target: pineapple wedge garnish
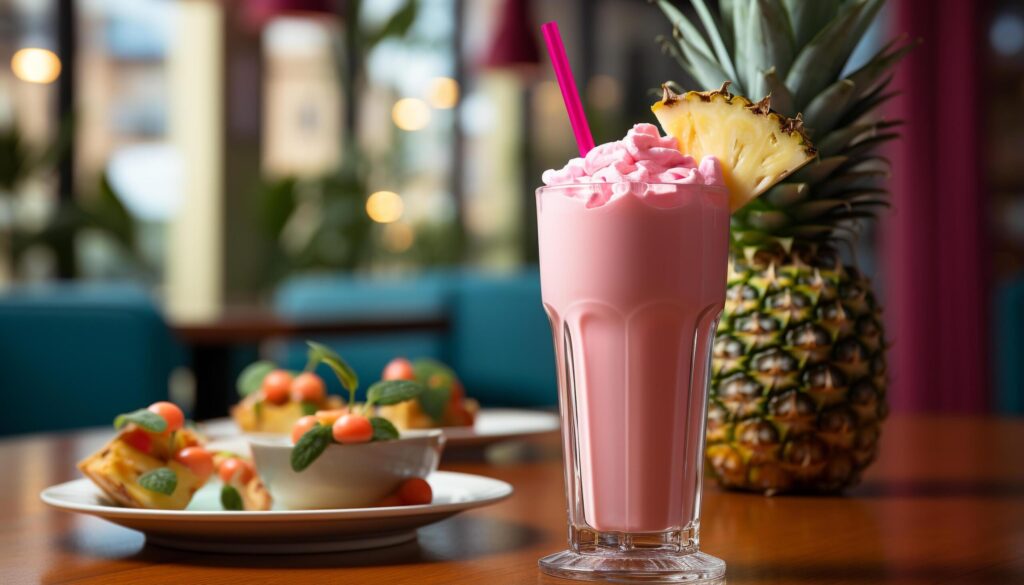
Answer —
117 467
756 147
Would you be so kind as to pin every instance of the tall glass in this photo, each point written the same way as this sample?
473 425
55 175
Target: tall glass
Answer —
633 280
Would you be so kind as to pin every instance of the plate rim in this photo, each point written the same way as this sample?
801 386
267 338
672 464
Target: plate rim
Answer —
455 436
505 491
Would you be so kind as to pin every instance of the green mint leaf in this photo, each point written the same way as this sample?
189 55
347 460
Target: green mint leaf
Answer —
346 375
162 481
383 430
438 379
145 419
310 446
309 408
251 378
388 392
426 368
434 401
230 499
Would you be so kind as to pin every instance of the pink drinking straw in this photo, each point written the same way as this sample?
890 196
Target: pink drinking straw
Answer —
571 97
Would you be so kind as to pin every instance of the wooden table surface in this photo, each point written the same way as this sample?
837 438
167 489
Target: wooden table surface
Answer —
943 504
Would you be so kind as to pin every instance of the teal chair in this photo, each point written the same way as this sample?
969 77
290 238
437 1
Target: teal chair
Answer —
1009 347
501 341
498 338
74 355
359 297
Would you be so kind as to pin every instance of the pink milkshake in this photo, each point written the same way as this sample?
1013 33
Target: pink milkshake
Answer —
633 257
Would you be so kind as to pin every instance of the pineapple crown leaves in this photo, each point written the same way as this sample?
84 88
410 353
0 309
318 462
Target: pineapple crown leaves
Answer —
796 51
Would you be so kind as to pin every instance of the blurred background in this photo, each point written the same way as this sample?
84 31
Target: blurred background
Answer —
187 184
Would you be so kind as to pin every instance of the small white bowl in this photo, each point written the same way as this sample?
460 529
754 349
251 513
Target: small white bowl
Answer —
345 476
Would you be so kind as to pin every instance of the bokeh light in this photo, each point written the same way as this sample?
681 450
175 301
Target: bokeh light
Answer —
411 114
1007 34
547 99
443 93
384 206
398 236
35 65
604 92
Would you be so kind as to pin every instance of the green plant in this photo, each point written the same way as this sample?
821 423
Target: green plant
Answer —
340 234
102 210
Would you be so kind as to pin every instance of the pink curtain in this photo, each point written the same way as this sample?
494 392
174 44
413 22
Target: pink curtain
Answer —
934 245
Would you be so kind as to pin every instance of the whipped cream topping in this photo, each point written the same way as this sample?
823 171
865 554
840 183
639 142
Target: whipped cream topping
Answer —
643 155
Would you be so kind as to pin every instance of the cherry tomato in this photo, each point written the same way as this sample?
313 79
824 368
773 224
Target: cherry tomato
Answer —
302 427
352 428
198 460
170 413
398 369
415 491
277 386
328 417
235 468
308 387
457 415
138 439
458 392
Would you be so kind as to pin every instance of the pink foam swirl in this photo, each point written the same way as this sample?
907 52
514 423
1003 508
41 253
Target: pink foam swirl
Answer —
643 155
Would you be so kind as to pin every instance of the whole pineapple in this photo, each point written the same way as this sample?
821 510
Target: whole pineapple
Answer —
799 373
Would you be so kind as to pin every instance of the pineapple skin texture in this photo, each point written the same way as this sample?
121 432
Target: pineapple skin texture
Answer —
798 390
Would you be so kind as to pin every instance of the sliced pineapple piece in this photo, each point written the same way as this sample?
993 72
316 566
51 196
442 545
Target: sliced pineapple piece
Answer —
406 415
254 415
254 493
117 467
410 415
756 147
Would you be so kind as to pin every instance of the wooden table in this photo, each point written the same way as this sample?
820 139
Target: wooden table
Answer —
210 342
943 504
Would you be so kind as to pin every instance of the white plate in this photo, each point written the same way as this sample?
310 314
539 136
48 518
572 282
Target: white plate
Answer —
205 527
492 425
500 424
